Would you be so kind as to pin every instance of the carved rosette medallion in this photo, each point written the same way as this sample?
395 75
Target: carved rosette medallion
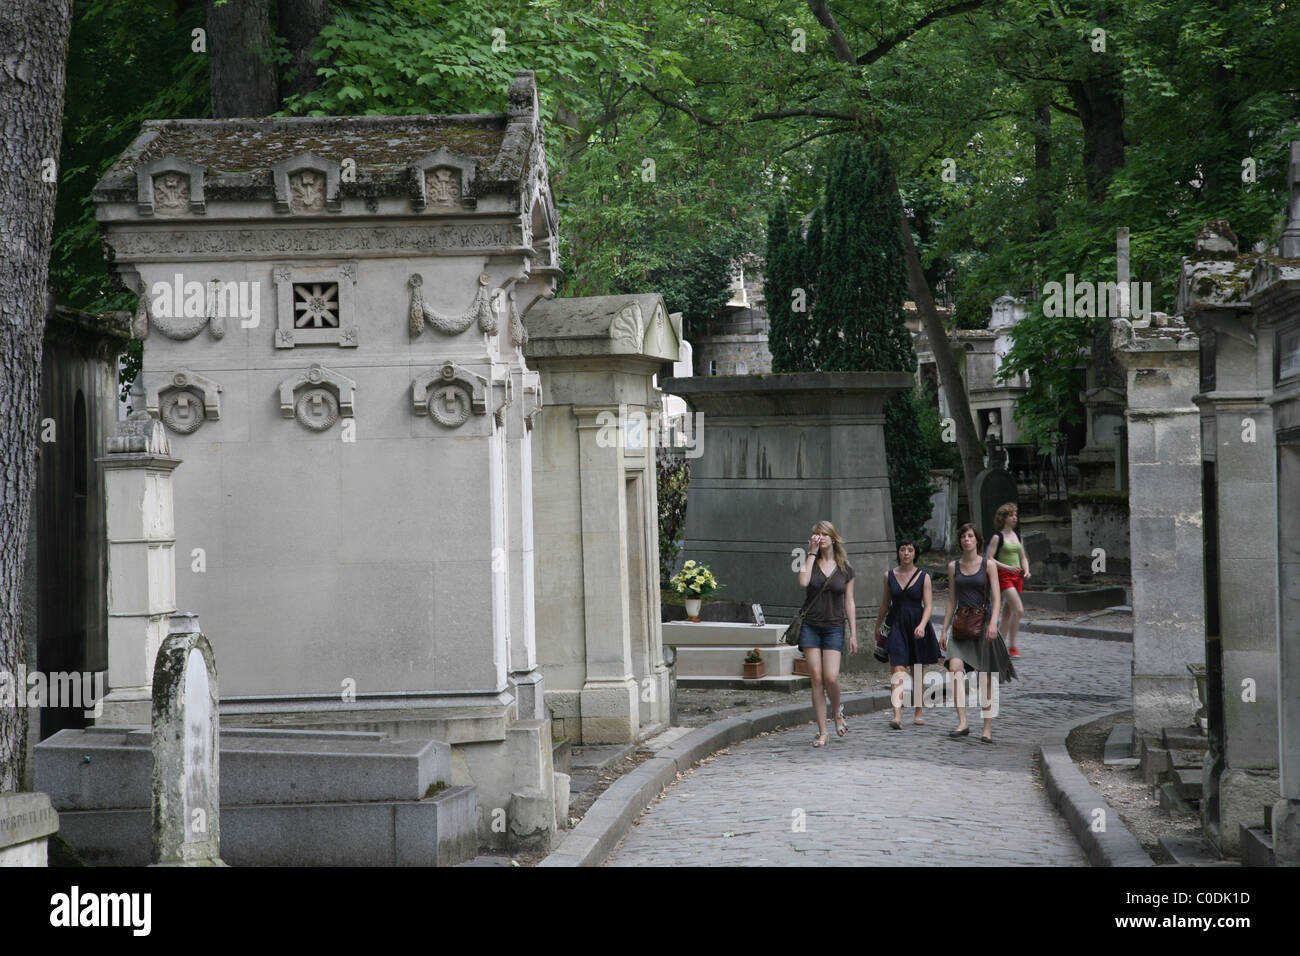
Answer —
317 408
181 410
171 194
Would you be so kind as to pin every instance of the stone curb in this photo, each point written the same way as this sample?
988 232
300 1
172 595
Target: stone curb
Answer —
1076 630
611 816
1076 802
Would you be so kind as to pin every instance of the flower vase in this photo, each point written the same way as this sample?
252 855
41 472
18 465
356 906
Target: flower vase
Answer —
693 608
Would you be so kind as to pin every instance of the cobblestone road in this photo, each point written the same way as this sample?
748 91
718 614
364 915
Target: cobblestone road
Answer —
892 798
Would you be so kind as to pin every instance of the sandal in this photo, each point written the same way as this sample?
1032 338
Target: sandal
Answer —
895 725
841 726
819 740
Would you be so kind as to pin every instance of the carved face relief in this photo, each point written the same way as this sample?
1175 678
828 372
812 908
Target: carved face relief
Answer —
307 189
317 408
449 405
181 410
171 194
441 187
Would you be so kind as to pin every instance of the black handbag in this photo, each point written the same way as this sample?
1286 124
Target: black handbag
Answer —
791 635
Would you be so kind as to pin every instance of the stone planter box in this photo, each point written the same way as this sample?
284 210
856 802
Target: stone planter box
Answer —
755 671
801 666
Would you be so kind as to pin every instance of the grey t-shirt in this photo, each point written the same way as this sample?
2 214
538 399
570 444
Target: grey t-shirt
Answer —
828 608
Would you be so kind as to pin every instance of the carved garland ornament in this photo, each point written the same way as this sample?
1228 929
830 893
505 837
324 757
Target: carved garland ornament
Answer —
480 309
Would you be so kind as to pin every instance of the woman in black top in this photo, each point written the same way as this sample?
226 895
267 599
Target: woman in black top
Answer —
822 637
911 643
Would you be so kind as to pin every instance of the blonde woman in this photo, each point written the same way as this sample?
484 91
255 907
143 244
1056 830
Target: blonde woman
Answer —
973 583
1008 553
827 579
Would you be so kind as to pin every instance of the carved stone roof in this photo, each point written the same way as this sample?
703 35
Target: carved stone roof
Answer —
237 156
603 325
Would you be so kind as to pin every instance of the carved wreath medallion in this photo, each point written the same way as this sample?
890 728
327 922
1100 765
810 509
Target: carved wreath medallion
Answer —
181 410
317 408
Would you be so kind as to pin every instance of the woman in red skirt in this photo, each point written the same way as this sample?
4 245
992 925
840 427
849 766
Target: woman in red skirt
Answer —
1008 552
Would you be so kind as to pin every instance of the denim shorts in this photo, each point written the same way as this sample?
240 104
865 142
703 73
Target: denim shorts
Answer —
828 637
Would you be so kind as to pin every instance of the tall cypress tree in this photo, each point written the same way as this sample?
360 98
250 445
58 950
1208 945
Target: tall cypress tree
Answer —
861 287
779 281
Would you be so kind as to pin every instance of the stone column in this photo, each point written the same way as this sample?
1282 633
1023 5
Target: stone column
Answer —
141 563
1275 294
1236 348
1160 358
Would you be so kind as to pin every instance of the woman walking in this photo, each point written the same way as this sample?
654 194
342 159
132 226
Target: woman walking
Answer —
976 645
1008 552
827 580
911 640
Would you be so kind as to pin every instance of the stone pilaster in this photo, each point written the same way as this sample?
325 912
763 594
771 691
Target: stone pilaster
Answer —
141 561
1160 358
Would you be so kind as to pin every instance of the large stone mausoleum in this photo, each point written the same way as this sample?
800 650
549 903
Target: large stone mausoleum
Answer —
334 312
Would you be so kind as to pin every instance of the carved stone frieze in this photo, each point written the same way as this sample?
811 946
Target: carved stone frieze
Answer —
166 244
480 309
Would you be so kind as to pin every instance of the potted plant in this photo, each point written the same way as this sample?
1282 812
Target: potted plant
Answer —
801 665
695 582
754 667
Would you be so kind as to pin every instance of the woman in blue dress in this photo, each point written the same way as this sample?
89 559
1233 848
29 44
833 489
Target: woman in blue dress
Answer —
911 642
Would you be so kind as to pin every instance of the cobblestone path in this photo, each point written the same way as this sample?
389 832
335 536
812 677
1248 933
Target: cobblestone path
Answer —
892 798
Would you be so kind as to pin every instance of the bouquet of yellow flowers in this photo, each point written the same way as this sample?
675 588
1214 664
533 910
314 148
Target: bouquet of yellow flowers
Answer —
694 580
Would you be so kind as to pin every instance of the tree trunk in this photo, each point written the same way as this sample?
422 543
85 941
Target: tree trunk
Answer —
239 58
1100 102
1043 168
299 23
968 444
33 51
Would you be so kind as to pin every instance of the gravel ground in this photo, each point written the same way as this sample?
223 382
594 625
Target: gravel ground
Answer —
1124 789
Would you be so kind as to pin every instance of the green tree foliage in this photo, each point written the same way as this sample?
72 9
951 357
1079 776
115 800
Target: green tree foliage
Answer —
673 478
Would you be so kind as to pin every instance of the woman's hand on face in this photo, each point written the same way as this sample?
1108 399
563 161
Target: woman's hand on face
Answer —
814 544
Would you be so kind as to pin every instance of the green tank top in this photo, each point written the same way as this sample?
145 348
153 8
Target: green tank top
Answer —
1009 553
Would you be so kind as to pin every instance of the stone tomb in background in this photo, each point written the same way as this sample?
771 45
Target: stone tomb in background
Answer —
780 453
331 310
